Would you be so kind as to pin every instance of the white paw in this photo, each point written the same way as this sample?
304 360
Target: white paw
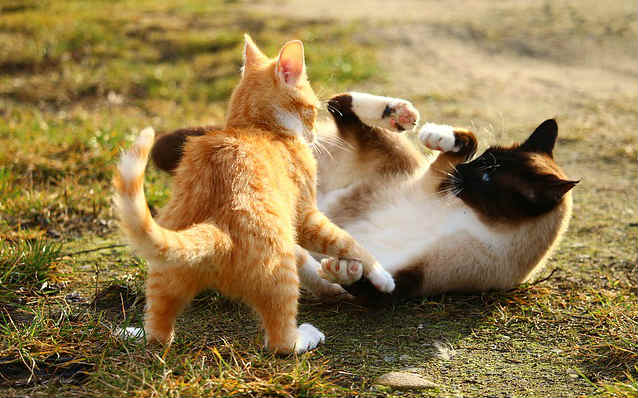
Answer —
308 337
130 333
391 113
381 279
439 137
341 271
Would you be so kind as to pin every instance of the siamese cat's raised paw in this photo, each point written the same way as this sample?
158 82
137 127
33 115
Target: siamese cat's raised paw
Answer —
438 137
392 113
444 138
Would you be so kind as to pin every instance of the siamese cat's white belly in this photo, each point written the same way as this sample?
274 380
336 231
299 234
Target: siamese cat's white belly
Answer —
405 228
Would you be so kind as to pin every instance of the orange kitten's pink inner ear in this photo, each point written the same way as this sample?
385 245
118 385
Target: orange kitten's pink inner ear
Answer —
291 66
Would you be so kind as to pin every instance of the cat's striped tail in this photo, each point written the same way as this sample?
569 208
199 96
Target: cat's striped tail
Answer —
190 246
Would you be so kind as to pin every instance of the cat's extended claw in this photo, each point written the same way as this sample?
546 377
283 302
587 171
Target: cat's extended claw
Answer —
392 113
342 271
308 337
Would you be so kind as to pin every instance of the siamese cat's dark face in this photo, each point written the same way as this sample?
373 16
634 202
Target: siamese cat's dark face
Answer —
513 183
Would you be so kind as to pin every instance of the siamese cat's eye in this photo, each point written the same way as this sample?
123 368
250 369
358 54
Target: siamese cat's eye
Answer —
486 177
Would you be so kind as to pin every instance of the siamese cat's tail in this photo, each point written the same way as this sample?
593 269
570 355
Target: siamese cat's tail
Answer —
159 245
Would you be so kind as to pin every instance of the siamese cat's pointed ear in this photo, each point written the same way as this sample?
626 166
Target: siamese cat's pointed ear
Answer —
559 188
291 66
252 53
543 138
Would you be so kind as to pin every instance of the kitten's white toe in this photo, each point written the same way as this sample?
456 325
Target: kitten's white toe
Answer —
381 279
438 137
391 113
341 271
308 337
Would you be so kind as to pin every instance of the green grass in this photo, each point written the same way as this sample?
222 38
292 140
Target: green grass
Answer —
26 266
78 79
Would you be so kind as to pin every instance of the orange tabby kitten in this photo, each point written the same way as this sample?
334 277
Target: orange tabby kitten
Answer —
244 199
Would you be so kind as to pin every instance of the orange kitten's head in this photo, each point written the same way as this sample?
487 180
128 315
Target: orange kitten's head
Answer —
274 94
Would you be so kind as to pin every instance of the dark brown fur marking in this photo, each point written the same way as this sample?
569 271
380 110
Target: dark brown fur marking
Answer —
168 148
513 184
409 283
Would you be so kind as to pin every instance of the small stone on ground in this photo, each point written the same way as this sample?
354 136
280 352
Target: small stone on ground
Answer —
404 380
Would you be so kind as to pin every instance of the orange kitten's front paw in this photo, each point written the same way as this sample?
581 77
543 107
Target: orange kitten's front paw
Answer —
342 271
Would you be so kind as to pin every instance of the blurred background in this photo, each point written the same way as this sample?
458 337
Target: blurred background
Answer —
79 78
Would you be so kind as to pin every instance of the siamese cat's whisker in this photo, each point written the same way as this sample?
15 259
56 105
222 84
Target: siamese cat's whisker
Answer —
336 139
332 108
322 149
336 142
330 140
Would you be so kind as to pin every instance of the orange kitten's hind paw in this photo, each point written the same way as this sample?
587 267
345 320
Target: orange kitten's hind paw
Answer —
308 338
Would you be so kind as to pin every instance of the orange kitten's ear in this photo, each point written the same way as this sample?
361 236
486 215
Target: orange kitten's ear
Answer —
252 53
290 64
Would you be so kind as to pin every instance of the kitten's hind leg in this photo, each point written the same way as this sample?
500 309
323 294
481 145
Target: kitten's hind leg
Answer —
167 293
275 300
373 110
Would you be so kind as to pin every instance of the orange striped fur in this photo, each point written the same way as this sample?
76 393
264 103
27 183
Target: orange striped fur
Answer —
243 199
